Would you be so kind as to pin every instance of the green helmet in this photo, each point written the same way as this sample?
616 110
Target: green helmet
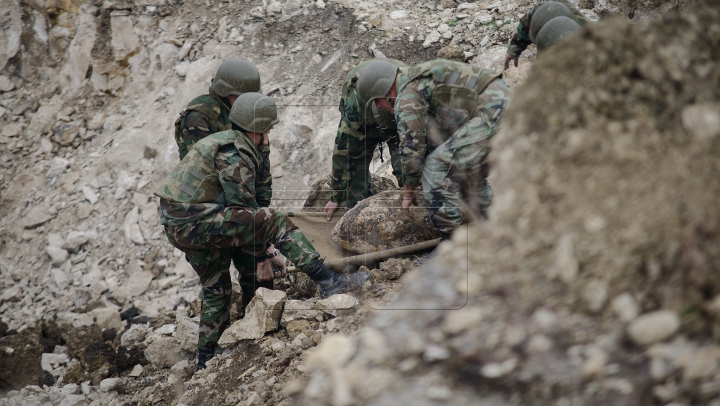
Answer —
236 76
254 112
545 13
555 30
376 80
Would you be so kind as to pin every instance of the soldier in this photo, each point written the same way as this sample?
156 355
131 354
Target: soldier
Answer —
362 128
208 114
531 23
446 112
208 205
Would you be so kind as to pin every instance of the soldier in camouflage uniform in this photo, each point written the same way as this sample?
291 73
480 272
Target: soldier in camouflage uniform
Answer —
208 114
446 112
362 128
527 29
208 205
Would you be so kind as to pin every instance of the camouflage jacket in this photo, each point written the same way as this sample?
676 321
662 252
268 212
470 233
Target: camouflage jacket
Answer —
521 40
435 99
358 124
208 114
219 171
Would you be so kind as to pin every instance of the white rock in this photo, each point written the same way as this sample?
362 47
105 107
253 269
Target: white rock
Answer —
298 310
96 122
431 38
135 335
186 330
38 215
499 369
6 84
595 295
60 277
14 130
79 53
320 4
435 353
164 352
303 341
566 266
136 285
70 389
166 329
90 194
124 40
73 400
136 371
12 31
538 344
339 301
132 229
106 317
654 327
443 28
594 365
262 315
625 307
110 384
51 361
398 15
58 256
76 239
461 320
333 352
11 294
702 120
58 166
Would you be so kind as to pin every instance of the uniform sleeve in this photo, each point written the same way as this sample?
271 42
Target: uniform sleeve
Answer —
263 183
411 114
349 130
195 128
521 40
237 177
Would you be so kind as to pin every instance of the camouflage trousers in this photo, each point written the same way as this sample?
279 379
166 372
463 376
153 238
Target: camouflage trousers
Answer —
360 154
209 248
454 178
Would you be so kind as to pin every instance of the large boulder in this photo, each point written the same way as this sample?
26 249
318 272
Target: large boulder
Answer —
262 315
378 223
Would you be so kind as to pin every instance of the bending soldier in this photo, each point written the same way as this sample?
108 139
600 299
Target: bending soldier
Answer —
208 114
446 112
360 131
208 205
533 22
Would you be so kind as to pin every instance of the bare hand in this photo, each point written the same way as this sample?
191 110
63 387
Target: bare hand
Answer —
264 271
509 58
330 208
408 200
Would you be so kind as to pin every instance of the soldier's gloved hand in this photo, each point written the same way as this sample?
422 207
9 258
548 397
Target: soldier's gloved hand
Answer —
264 271
509 58
408 200
330 208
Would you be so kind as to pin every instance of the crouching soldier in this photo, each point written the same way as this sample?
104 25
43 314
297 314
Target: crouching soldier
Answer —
360 132
562 15
446 112
208 206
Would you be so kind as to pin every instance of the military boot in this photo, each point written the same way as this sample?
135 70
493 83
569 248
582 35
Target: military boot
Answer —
331 282
204 355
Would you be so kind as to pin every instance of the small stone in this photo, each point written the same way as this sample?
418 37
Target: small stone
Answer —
135 335
135 285
70 389
594 365
106 317
334 352
90 194
166 329
538 344
431 38
654 327
398 15
566 266
702 120
58 256
294 328
149 153
461 320
339 301
96 122
298 310
6 84
38 216
435 353
164 352
595 294
262 315
110 384
75 240
12 130
499 369
625 307
136 371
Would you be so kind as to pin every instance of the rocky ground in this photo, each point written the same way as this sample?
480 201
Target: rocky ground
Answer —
92 294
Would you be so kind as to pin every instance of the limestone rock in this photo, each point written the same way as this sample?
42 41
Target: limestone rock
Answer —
625 306
76 239
262 315
339 301
298 310
135 335
136 285
186 331
392 269
378 223
38 215
124 40
58 256
106 317
453 53
79 51
11 31
111 384
654 327
164 351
